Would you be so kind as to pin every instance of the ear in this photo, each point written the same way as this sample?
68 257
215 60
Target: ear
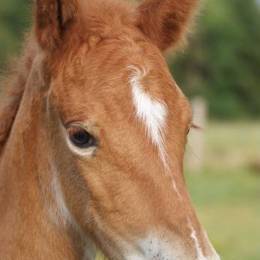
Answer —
165 22
52 18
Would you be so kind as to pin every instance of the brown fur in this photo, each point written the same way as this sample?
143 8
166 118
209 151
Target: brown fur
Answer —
163 26
76 71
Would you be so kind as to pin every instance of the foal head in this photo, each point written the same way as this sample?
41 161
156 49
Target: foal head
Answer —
119 125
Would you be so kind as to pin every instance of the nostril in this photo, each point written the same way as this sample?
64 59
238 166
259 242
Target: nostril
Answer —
156 256
157 248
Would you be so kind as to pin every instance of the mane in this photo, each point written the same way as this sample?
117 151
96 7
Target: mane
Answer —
12 89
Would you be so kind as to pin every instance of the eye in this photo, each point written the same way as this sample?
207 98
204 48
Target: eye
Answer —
80 137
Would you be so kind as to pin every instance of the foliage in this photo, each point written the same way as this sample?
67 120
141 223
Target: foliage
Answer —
227 203
223 61
226 192
14 19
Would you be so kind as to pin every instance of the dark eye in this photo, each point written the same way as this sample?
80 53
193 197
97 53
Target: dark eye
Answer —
80 137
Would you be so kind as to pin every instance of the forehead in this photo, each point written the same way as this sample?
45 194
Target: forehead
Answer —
96 77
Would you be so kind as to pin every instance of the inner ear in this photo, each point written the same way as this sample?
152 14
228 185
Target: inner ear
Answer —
165 22
52 18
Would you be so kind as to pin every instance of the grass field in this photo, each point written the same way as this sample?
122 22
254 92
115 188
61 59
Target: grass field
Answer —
226 193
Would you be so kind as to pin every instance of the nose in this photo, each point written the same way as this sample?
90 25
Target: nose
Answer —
160 248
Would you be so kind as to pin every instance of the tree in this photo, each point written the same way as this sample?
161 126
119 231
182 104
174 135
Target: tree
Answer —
14 18
223 60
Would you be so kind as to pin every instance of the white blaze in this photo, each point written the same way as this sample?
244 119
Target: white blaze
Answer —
150 111
153 113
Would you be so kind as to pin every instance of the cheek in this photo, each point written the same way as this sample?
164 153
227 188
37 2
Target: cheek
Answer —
116 199
176 142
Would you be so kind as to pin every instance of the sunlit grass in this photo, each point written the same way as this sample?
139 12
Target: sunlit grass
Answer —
232 144
226 193
228 204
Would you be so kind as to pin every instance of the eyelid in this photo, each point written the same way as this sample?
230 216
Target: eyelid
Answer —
76 124
90 128
84 153
195 126
88 124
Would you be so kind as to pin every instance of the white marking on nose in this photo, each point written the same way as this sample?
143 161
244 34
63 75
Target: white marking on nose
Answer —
199 252
200 255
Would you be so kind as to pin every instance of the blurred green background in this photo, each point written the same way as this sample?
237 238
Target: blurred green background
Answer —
221 65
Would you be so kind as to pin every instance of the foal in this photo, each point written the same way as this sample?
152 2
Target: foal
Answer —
92 137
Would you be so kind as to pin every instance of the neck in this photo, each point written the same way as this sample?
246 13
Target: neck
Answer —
13 88
30 221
